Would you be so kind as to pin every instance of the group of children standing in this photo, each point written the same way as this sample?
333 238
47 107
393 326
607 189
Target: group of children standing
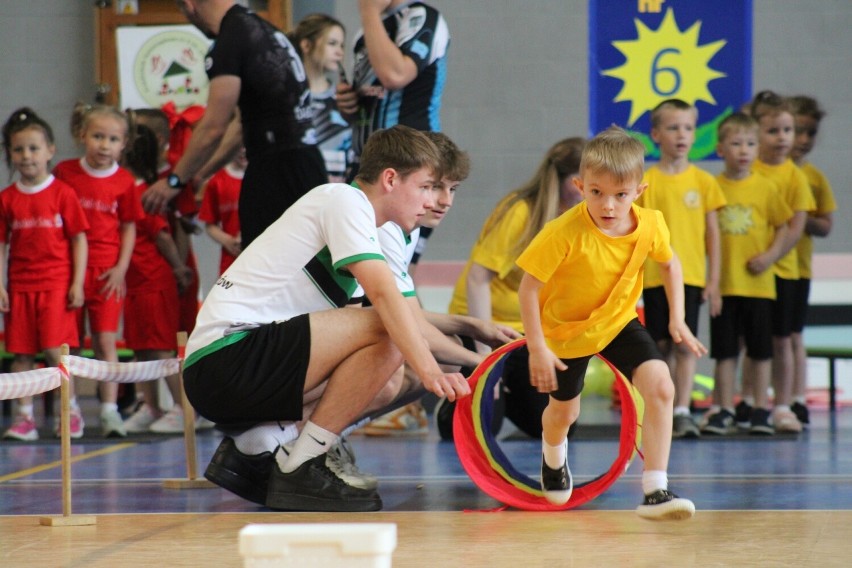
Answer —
745 241
81 249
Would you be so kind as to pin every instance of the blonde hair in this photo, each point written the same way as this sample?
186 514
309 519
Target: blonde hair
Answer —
736 122
616 153
83 114
542 190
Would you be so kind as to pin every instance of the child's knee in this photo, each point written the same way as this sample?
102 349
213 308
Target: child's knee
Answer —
654 381
564 412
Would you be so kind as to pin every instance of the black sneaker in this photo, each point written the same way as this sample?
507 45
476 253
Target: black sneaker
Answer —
663 505
801 412
314 487
742 411
721 423
760 423
242 474
556 484
683 426
444 412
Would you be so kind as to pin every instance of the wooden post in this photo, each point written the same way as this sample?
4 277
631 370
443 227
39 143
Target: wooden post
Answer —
192 481
67 519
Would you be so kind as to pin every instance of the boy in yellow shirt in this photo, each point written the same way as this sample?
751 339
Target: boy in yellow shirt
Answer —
582 279
774 116
753 228
688 197
808 115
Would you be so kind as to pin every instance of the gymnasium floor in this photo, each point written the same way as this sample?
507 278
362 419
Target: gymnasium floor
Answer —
784 501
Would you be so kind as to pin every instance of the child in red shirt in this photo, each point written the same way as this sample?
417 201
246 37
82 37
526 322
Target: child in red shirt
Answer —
220 209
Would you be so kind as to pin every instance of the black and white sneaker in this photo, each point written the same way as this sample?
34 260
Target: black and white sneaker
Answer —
760 425
242 474
663 505
720 423
556 484
444 412
314 487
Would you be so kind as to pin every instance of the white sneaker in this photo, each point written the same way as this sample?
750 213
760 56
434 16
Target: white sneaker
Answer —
112 426
141 420
169 423
202 423
340 459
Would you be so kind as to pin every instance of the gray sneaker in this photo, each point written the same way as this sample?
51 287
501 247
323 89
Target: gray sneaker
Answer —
112 426
341 460
684 427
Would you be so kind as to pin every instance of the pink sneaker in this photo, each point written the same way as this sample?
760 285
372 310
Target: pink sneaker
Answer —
77 425
23 429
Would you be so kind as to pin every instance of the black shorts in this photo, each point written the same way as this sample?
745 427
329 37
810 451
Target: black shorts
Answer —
274 180
630 348
748 319
783 309
259 378
800 304
657 310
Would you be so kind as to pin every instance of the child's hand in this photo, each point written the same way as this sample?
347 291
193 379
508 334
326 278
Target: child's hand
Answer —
451 385
4 301
232 245
543 365
494 334
347 99
681 333
758 264
76 297
712 296
114 283
184 277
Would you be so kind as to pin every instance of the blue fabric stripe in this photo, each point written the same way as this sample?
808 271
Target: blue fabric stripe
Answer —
437 92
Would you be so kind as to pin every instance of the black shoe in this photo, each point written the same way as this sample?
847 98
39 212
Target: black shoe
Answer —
721 423
742 411
663 505
556 484
444 412
801 412
760 425
241 474
314 487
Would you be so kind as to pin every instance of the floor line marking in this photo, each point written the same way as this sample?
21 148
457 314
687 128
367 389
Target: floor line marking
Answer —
58 463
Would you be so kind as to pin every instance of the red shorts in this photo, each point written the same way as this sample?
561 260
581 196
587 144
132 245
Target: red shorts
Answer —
39 320
189 305
104 314
151 320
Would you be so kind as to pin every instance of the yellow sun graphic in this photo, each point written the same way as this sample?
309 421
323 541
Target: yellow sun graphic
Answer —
735 220
662 64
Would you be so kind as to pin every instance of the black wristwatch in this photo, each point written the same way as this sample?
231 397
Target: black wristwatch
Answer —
174 182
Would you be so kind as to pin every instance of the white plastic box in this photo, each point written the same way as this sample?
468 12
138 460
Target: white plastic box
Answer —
333 545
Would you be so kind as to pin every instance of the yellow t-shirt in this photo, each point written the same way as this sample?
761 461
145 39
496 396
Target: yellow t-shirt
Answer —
493 250
796 191
684 200
825 203
746 229
580 265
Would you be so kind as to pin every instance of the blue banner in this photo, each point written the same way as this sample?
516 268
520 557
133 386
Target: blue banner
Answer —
642 52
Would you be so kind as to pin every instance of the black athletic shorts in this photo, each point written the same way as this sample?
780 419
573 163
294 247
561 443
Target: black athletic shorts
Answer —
657 310
800 304
630 348
742 319
783 309
259 378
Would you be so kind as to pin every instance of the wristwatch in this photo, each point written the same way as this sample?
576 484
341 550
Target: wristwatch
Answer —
174 182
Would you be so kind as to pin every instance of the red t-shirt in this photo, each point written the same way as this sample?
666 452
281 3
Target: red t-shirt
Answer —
148 269
38 223
108 199
221 207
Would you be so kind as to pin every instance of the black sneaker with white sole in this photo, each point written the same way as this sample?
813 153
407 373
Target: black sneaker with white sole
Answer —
314 487
242 474
556 484
663 505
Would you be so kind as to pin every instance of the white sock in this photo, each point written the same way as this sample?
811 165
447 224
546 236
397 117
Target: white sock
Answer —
782 408
72 403
108 407
25 410
312 442
654 480
799 399
749 400
554 456
266 437
681 411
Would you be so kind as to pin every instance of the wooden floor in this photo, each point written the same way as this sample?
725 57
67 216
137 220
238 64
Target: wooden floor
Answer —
446 539
785 501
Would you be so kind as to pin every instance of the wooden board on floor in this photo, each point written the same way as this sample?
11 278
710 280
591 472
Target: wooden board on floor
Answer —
472 539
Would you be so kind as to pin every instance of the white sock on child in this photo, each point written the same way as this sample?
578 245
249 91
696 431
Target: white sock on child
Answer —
654 480
266 437
108 407
25 410
313 441
554 456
